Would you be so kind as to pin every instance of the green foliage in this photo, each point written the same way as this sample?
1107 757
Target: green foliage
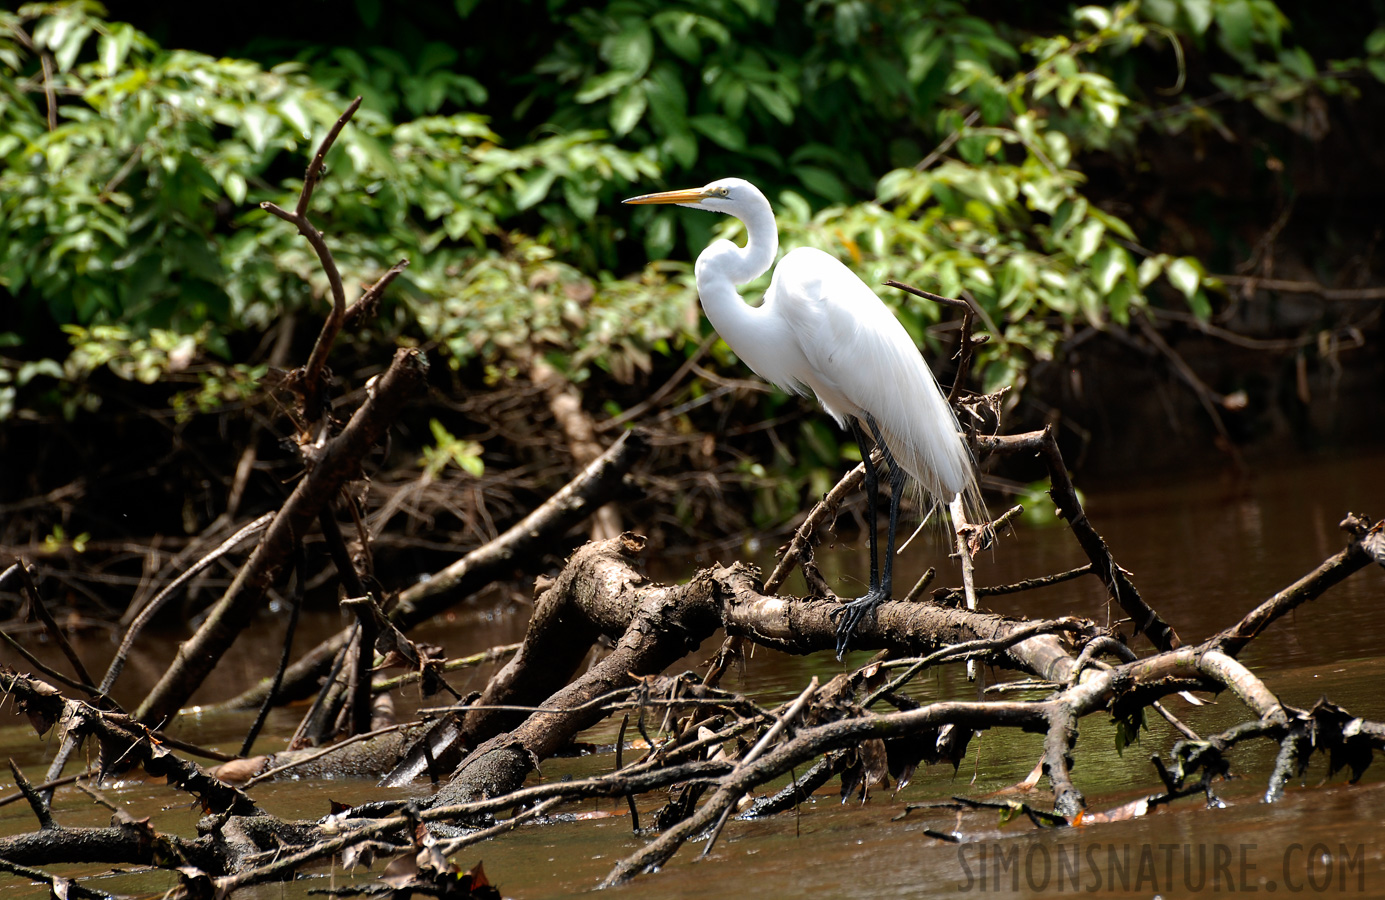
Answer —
449 450
1128 728
56 540
133 222
1039 509
916 141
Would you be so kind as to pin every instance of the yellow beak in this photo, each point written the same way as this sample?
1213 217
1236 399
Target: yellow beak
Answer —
688 195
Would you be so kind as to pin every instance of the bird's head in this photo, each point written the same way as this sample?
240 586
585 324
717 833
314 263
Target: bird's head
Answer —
725 195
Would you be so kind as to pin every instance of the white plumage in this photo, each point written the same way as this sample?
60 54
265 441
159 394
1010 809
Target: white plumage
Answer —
820 328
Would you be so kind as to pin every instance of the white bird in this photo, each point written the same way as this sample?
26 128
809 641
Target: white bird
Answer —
820 328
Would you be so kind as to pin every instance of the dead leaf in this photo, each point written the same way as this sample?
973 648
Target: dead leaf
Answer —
1123 813
239 771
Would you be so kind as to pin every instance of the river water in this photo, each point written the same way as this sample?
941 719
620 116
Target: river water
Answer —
1202 552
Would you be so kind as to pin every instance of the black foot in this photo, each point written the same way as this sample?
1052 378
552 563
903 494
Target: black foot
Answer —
852 613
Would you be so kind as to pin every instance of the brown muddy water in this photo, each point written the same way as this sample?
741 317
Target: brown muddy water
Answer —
1202 553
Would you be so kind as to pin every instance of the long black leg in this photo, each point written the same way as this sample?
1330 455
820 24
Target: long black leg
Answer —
897 479
851 614
872 500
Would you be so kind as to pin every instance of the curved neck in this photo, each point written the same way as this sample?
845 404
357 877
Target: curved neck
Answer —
750 331
744 264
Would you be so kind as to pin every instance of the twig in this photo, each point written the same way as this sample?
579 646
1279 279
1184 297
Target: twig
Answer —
500 651
970 649
1116 579
822 512
36 802
152 608
364 306
770 737
317 360
1332 571
921 585
49 96
45 787
40 611
529 538
947 142
1029 584
313 727
1251 282
620 750
963 305
325 751
1209 398
674 380
810 742
296 606
965 349
357 694
89 690
337 461
499 828
1350 334
57 885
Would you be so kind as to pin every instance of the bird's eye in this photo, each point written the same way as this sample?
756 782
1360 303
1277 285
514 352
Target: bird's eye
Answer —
721 191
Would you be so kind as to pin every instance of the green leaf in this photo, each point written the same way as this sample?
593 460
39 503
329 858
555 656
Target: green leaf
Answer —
1199 14
1297 62
675 29
1150 269
627 108
822 182
260 126
630 51
720 130
113 47
535 188
1113 223
1088 238
65 39
1069 215
1108 265
604 85
235 188
1015 276
1235 26
773 102
1185 274
369 12
1106 113
582 203
1128 730
471 464
682 147
658 237
1375 42
1099 17
1200 305
1120 300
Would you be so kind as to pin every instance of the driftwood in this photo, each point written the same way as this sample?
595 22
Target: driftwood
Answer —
601 591
337 461
526 540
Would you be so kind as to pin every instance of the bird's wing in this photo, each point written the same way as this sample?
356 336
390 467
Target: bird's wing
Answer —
863 362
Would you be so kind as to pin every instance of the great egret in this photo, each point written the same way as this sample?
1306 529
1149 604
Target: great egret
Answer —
820 327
